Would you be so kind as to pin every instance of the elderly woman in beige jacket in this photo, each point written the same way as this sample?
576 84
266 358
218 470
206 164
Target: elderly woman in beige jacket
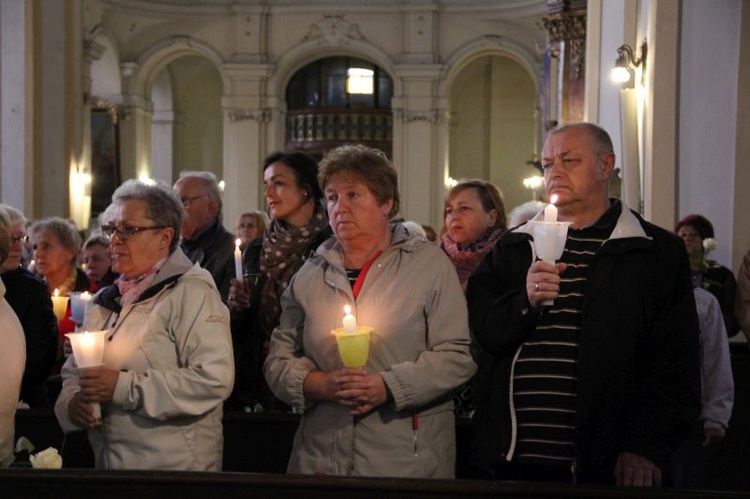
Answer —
12 355
168 362
394 415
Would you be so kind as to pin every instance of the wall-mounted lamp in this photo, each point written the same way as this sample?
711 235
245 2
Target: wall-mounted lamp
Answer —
626 61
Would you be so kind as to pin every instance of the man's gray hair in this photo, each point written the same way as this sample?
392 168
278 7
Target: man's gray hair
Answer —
163 206
599 137
209 184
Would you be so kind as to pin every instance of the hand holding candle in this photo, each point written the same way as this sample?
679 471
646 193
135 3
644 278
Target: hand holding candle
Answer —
549 236
88 351
237 260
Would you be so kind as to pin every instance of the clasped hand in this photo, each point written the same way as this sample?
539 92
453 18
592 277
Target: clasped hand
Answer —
355 388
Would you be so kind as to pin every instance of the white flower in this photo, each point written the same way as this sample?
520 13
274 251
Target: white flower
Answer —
48 458
709 244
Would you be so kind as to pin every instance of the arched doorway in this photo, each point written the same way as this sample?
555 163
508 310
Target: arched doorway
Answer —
492 131
187 123
336 100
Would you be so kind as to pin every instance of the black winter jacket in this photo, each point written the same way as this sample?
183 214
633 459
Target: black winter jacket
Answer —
638 360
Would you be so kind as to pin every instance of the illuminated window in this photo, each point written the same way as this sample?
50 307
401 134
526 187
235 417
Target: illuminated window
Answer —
359 81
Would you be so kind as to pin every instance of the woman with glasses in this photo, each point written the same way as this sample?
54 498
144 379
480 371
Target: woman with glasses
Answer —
29 298
167 365
252 226
55 243
298 226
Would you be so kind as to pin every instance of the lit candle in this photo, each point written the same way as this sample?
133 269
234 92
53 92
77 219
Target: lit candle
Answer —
350 322
550 212
78 302
59 305
237 260
88 351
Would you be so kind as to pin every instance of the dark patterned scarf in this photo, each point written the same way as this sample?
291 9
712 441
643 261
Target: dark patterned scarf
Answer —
285 249
466 257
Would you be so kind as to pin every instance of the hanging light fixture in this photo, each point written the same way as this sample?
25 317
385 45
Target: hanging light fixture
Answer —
623 72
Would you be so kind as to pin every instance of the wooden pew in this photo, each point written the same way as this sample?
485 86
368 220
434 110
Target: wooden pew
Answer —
85 484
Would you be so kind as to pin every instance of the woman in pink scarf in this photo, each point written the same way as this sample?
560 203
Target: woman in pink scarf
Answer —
473 220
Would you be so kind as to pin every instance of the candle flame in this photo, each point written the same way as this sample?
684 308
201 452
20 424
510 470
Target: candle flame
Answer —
237 242
87 340
85 295
56 293
347 309
553 199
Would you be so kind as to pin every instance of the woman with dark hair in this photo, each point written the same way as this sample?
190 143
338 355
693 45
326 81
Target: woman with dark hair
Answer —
698 233
298 226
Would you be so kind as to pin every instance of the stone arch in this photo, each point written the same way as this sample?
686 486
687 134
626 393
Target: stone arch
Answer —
490 45
493 139
311 51
160 54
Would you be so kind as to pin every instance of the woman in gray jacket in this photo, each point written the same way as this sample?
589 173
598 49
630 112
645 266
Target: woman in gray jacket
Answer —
394 415
168 362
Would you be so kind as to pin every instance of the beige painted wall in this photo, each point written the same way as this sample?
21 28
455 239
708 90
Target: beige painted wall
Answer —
492 131
198 132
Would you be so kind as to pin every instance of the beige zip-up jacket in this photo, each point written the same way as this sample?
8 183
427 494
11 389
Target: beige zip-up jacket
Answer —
173 349
420 346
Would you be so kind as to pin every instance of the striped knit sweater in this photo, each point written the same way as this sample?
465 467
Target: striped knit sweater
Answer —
545 373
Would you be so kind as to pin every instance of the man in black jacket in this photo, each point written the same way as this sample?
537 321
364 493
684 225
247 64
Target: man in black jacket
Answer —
204 239
603 384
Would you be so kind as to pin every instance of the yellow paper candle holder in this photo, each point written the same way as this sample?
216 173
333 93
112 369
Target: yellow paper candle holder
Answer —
354 348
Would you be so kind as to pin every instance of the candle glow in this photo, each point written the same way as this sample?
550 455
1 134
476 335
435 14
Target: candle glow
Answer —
349 321
550 212
59 305
88 352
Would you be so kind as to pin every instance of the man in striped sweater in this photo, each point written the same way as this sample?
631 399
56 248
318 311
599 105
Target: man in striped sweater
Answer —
603 384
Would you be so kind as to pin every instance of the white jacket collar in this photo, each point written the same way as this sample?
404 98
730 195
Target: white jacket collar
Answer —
627 225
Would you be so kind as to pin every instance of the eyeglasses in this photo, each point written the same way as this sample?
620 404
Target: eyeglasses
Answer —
19 239
187 200
126 232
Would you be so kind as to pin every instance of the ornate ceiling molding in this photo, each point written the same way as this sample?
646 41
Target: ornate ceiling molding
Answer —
334 30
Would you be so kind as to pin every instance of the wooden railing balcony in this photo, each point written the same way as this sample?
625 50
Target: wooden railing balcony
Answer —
316 130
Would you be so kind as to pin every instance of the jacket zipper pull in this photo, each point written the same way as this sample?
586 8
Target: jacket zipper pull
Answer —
414 431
